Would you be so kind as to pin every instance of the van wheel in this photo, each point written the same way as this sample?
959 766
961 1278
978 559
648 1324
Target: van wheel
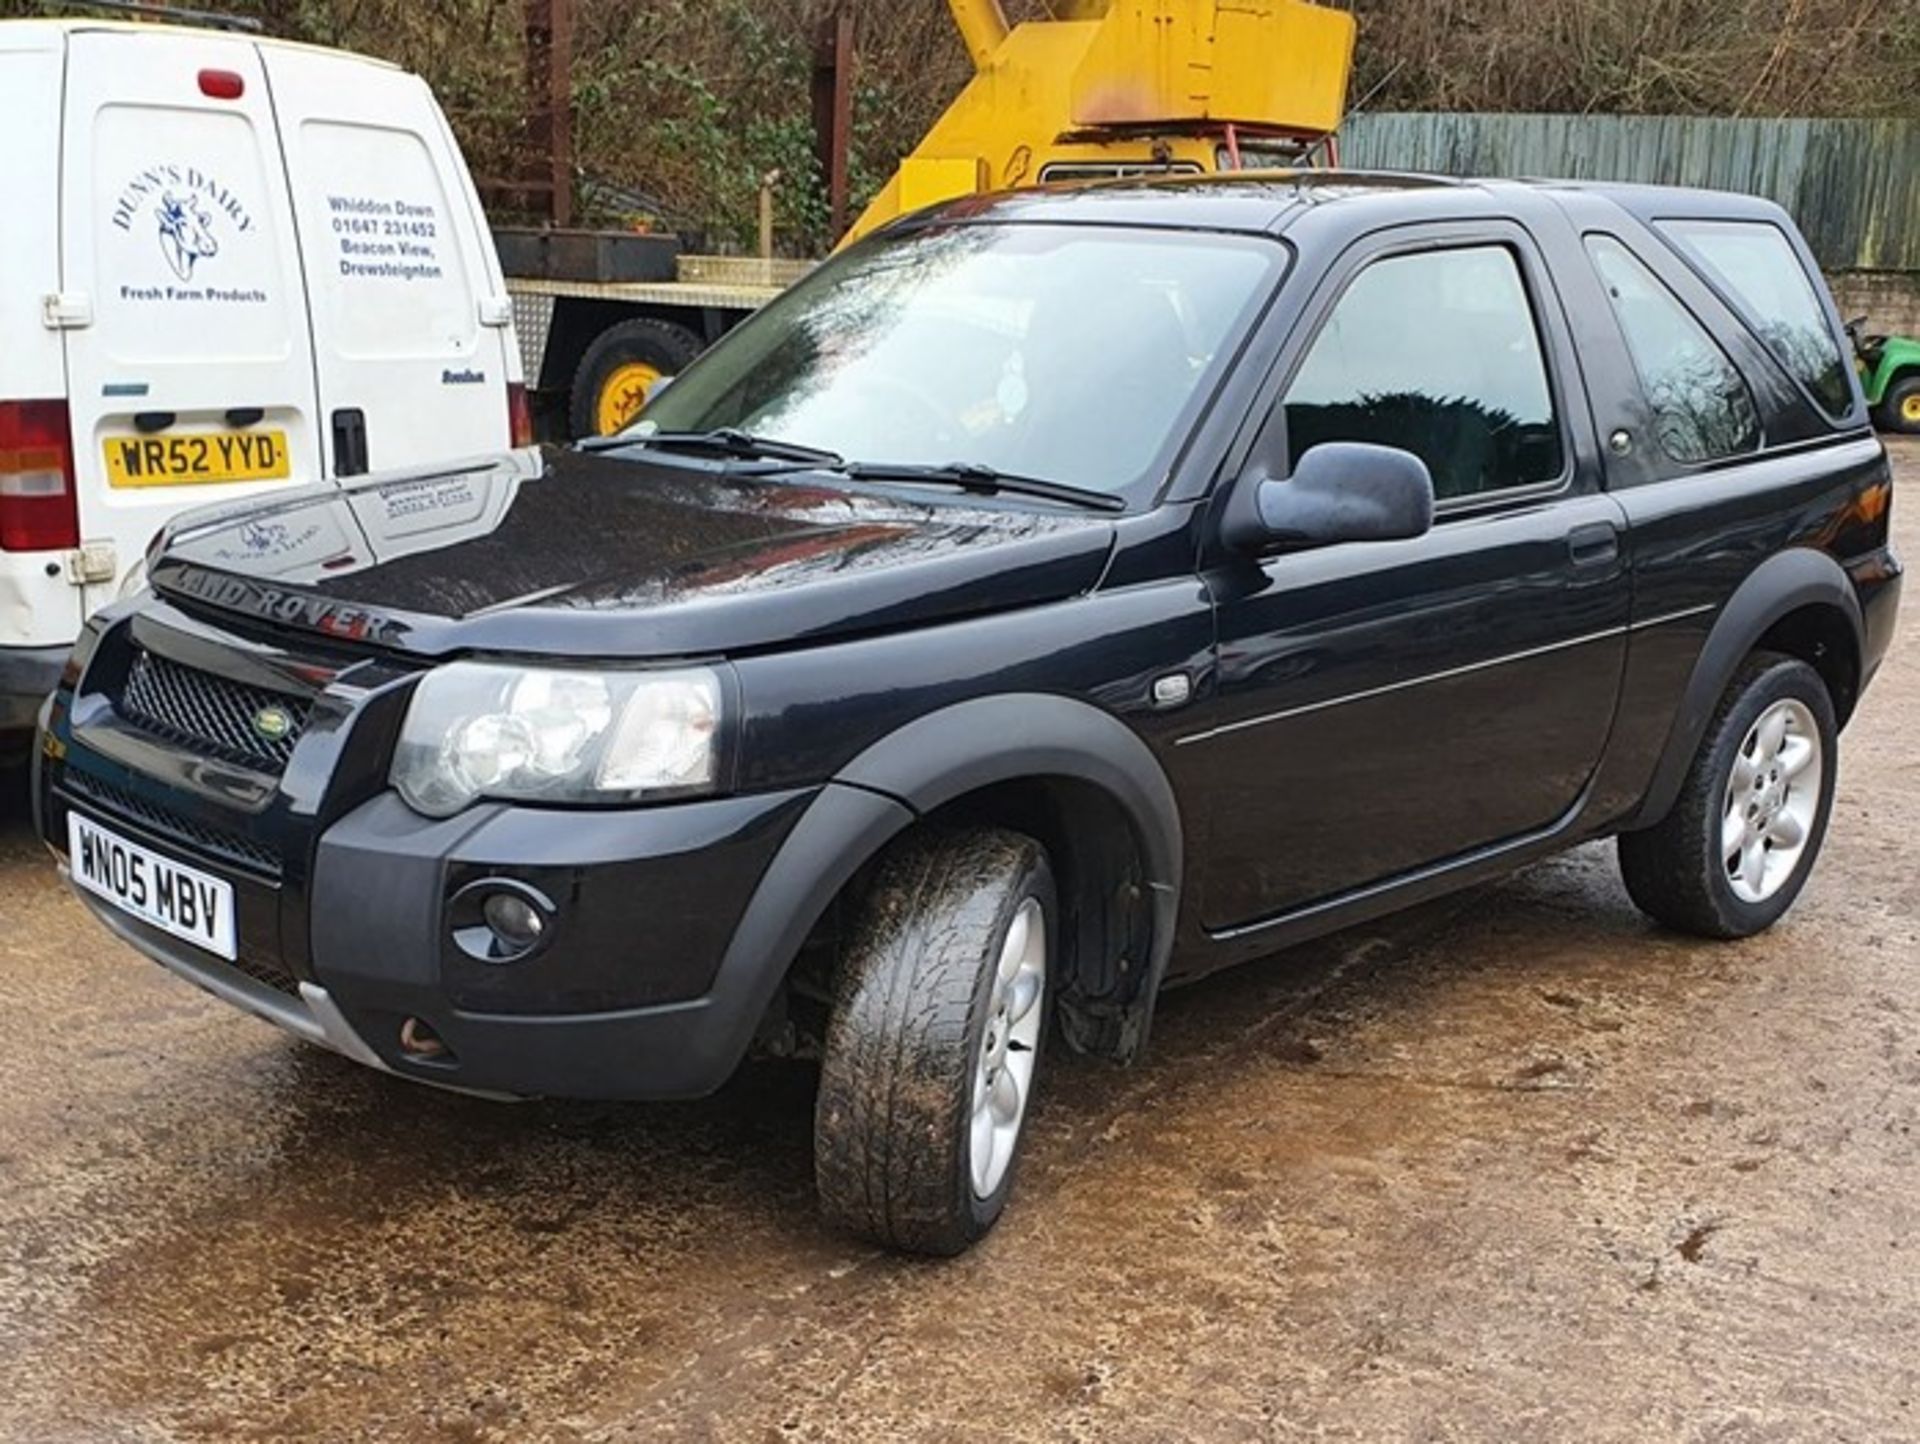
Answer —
1737 847
935 1040
1899 409
621 368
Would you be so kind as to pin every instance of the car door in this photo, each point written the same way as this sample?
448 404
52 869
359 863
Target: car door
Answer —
1384 707
411 322
189 370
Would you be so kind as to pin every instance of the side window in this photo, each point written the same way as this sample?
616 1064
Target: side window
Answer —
1754 261
1436 353
1702 410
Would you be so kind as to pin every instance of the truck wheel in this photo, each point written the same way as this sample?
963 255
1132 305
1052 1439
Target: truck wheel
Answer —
611 383
935 1041
1737 847
1899 409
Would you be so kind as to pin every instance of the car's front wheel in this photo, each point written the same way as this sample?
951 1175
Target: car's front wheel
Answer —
1735 850
934 1044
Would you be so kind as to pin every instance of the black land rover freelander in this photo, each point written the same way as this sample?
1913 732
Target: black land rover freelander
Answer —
1055 596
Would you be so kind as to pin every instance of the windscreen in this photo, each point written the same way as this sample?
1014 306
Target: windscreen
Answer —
1070 353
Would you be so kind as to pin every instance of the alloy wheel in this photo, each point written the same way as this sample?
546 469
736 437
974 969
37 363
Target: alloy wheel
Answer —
1772 797
1009 1047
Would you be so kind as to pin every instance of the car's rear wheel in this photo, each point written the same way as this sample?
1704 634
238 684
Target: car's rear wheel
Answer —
935 1040
1736 848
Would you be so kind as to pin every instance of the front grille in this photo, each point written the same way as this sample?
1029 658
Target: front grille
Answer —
117 802
212 714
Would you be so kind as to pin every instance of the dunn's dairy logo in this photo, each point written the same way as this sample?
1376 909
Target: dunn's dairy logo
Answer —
188 210
186 233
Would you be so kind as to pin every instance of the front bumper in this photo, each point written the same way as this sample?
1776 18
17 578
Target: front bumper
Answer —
673 926
28 676
309 1012
707 902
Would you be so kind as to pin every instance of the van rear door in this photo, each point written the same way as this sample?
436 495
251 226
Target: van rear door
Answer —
36 505
190 376
411 324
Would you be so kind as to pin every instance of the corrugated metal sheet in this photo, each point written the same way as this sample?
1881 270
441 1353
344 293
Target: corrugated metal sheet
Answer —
1852 185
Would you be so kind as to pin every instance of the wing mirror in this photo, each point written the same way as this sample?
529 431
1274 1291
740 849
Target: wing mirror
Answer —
1340 491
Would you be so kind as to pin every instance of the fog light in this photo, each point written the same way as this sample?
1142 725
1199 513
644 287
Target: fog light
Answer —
515 921
500 920
418 1040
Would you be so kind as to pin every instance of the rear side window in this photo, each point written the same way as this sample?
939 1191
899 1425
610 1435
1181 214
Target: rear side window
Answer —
1754 261
1436 353
1702 410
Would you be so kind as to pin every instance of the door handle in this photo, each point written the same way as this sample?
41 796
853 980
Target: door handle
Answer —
349 442
1594 545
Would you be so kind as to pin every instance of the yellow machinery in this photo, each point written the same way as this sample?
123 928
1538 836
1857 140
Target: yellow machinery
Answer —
1149 86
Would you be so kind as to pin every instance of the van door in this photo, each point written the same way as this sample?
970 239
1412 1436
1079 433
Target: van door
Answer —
399 267
189 371
36 507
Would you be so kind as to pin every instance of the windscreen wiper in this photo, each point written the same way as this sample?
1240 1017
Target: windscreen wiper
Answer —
723 440
984 480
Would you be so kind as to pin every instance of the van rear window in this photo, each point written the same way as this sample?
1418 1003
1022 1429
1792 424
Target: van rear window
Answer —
187 238
1754 262
383 256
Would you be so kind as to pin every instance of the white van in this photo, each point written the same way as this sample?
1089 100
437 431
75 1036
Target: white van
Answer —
227 264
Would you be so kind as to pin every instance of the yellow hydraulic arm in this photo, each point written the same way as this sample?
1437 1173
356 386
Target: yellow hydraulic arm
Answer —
1148 85
983 25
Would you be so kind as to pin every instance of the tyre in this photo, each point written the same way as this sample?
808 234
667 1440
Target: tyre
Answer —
935 1039
1899 409
1741 838
620 368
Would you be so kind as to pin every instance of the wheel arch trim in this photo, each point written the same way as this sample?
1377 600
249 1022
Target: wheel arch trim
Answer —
935 759
1783 584
1013 737
841 829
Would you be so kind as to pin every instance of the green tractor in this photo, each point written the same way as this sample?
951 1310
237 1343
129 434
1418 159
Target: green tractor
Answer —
1890 374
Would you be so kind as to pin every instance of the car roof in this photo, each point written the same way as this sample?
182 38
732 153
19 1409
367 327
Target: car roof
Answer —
1273 202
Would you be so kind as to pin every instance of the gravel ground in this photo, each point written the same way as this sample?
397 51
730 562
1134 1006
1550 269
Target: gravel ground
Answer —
1515 1165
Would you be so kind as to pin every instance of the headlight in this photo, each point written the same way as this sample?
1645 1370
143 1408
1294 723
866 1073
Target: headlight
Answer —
532 735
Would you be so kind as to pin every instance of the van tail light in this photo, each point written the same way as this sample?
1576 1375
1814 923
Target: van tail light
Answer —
39 507
222 84
519 415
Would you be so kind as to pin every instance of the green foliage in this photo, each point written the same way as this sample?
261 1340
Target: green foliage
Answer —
708 133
